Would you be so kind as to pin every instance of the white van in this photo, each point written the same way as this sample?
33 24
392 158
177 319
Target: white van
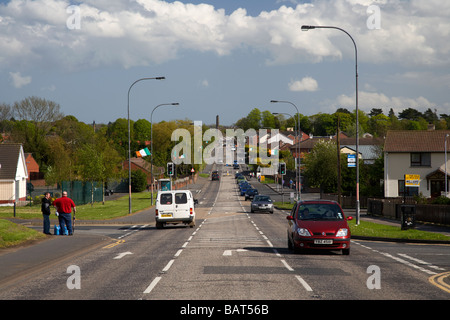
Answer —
175 206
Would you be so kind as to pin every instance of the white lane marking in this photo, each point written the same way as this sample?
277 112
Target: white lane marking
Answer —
152 285
167 267
304 283
123 254
178 253
286 265
421 262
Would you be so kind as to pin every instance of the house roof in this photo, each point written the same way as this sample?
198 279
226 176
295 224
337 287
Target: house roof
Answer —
310 143
416 141
9 159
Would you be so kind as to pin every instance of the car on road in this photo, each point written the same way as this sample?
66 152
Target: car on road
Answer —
244 187
174 207
215 175
251 193
262 203
318 224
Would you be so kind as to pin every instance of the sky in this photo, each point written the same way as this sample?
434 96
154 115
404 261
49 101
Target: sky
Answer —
224 57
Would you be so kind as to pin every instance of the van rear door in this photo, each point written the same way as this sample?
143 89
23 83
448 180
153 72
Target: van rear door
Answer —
166 205
182 206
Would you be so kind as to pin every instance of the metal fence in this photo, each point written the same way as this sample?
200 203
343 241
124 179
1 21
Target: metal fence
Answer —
80 192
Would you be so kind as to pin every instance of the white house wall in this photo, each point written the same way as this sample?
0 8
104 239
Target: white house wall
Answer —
399 164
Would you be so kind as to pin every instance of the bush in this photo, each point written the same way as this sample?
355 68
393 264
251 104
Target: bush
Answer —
441 200
138 181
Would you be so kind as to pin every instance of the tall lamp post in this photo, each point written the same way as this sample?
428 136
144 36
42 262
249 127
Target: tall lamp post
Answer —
295 127
445 166
306 28
129 139
151 138
299 138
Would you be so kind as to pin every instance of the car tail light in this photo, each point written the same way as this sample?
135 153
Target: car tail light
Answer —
191 211
156 212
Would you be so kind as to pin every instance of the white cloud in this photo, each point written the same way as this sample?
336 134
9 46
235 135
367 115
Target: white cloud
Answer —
306 84
369 100
154 31
18 80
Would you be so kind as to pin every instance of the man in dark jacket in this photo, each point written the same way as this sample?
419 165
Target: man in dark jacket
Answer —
45 208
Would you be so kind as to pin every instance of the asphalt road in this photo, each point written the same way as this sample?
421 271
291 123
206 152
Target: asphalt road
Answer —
231 254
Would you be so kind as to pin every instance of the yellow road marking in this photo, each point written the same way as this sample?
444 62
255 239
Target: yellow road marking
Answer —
438 281
113 244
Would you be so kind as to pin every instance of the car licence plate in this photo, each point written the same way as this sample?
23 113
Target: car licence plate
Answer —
323 241
166 215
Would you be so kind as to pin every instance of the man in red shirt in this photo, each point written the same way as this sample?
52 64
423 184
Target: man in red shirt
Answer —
64 207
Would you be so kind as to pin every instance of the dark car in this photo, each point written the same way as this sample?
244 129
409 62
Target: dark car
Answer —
215 175
251 193
318 224
244 187
261 203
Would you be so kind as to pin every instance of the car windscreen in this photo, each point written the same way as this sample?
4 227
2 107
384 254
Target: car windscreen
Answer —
180 198
165 198
319 211
263 198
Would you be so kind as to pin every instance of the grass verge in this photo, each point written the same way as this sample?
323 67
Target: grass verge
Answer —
98 211
12 234
378 230
371 229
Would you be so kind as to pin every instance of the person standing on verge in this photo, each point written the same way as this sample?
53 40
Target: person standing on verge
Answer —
64 207
45 208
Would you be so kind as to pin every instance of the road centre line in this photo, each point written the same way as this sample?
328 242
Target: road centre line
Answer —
167 267
152 285
304 283
178 253
286 265
283 261
170 263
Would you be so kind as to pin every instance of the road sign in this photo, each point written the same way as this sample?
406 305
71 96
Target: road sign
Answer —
351 160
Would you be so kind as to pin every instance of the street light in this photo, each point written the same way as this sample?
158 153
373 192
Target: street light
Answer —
445 166
129 139
298 172
306 28
151 147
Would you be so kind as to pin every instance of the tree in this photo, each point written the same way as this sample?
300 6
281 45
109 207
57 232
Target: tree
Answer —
138 181
37 110
117 132
142 131
410 114
268 119
321 166
35 119
254 119
90 167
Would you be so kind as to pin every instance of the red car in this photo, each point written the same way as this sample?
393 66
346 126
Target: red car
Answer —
318 224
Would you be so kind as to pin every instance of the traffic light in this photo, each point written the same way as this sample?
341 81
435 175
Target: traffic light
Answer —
170 169
282 168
